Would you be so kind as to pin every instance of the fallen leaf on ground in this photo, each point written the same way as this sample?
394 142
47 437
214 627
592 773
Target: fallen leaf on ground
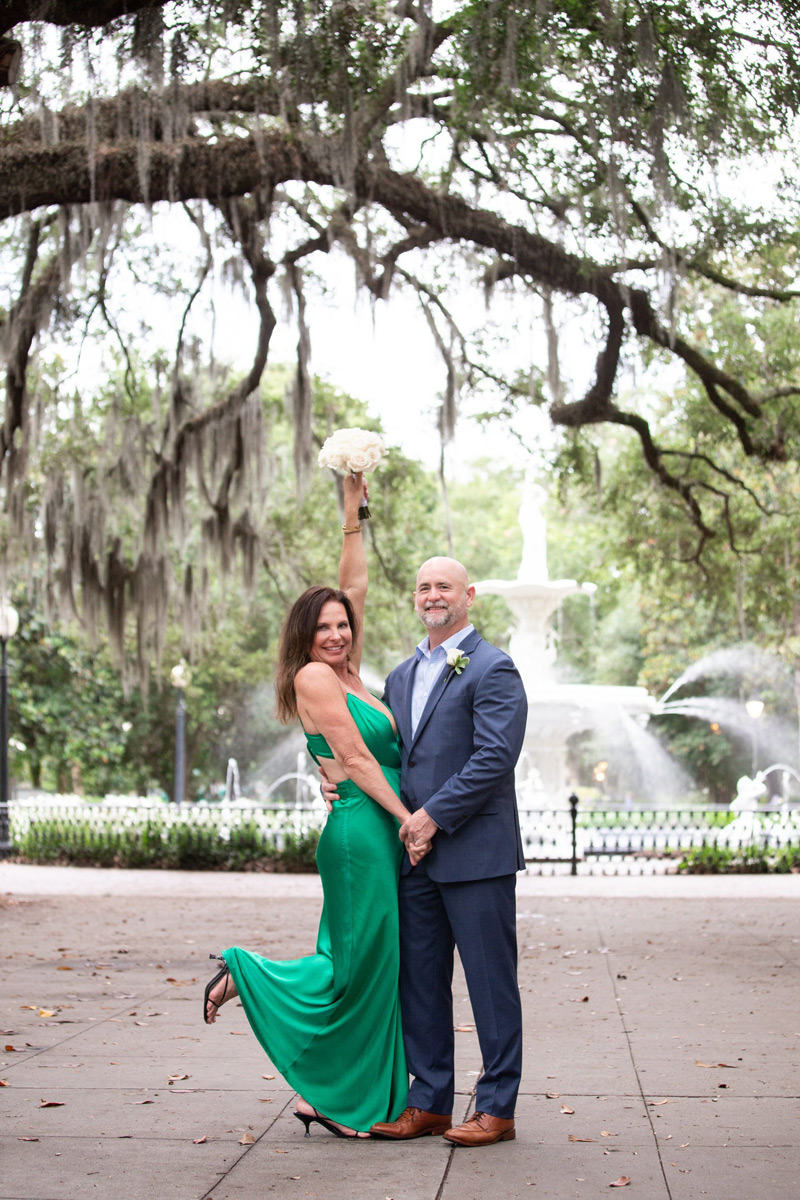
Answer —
265 1099
267 1076
4 1083
567 1110
552 1095
607 1133
51 1104
279 1151
27 1139
623 1181
63 968
199 1141
175 1078
655 1103
573 1138
11 1050
143 1101
246 1139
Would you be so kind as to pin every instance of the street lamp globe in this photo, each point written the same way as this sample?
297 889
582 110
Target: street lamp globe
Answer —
754 707
9 620
181 675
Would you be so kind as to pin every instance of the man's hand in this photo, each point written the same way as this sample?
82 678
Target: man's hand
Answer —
329 792
417 829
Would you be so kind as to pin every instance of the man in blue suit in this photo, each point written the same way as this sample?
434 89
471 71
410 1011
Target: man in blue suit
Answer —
461 711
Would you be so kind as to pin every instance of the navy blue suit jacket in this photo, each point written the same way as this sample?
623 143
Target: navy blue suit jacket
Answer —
460 763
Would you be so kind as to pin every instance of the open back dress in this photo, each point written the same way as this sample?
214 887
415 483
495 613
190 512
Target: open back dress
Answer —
330 1022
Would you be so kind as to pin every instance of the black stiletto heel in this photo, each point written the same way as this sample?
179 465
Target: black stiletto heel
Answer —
222 974
307 1118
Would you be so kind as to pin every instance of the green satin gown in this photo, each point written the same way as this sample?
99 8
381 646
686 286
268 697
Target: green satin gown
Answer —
330 1022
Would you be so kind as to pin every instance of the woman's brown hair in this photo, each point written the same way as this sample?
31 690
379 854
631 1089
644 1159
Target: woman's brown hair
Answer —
297 638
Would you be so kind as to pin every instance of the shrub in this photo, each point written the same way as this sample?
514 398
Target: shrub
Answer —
742 860
158 843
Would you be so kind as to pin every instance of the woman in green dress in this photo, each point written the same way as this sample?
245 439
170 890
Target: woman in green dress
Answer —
330 1022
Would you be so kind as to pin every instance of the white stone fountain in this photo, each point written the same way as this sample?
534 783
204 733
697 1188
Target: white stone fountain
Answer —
556 710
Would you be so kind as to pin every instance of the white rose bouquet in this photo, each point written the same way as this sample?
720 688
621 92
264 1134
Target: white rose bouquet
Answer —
352 450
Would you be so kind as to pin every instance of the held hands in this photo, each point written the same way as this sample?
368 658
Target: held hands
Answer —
416 832
417 835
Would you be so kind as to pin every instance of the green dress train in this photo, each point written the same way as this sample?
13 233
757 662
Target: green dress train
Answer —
330 1022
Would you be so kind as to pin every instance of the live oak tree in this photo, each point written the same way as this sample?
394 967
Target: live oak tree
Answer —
588 159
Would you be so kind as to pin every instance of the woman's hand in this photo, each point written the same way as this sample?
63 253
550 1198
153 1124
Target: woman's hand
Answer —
356 493
418 850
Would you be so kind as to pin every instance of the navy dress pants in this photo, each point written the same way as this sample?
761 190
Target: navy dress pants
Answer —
479 918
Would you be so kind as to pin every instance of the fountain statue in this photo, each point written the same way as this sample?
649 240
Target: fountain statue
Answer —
556 710
233 791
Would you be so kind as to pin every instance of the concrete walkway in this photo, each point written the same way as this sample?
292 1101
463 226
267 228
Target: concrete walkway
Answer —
662 1045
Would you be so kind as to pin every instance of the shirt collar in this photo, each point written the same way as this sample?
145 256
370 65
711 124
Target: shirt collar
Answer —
455 639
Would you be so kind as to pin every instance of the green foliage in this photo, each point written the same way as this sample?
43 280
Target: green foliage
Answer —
746 860
157 843
69 720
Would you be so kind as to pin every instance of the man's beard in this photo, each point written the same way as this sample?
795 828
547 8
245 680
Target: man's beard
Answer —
439 617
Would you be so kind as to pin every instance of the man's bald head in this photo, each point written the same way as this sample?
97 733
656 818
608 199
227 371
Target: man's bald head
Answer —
440 564
443 597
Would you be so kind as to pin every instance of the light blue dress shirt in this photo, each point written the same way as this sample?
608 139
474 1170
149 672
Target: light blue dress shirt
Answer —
429 668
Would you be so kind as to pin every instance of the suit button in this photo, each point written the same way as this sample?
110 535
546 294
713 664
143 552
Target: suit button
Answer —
412 762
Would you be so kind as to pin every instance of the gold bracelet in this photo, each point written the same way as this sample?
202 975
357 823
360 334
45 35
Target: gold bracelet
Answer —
351 529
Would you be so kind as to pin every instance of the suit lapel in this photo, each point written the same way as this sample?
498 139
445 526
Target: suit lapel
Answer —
403 713
441 685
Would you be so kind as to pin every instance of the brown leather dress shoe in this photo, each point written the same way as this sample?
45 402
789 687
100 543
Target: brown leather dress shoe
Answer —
412 1123
482 1129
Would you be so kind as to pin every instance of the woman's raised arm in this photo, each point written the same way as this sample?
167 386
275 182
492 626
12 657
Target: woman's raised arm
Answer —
353 561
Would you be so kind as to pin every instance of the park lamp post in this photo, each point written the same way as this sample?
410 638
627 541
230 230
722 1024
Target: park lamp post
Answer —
180 678
9 623
754 707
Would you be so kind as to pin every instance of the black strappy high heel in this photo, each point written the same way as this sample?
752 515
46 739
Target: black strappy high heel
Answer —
307 1118
224 973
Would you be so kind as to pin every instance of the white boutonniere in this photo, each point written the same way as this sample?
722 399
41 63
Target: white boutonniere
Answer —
456 661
